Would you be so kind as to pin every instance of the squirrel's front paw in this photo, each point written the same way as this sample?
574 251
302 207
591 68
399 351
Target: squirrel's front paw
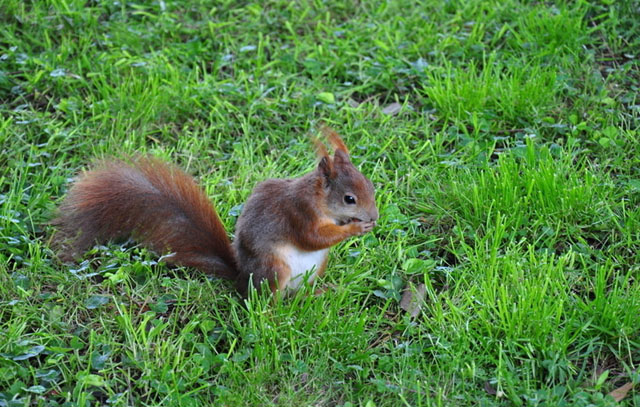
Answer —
360 228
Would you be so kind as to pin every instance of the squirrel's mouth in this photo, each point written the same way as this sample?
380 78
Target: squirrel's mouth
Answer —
347 221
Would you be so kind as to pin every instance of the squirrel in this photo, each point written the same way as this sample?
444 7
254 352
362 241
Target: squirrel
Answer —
282 235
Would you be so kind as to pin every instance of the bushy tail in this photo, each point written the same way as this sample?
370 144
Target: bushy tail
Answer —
158 204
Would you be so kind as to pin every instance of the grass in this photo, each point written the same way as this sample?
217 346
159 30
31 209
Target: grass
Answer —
502 138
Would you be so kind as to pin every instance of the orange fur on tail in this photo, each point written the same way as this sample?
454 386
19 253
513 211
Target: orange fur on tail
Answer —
156 203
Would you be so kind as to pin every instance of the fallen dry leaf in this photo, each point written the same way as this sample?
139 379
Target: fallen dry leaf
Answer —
492 391
413 298
353 103
489 389
392 109
621 392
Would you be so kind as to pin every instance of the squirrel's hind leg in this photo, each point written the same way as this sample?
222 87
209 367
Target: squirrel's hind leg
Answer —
270 268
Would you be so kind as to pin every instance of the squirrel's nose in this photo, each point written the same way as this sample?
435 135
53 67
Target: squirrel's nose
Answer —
373 214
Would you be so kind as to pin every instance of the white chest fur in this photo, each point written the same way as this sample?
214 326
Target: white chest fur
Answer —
302 263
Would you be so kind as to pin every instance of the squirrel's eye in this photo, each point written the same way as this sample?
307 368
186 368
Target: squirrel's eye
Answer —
348 199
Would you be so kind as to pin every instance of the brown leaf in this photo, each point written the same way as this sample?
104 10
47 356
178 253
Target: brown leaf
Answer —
489 389
353 103
492 391
413 298
392 109
621 392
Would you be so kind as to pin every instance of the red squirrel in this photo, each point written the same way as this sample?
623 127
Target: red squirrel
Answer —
284 232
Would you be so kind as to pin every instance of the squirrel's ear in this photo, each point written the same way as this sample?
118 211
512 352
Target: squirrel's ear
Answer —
325 166
341 157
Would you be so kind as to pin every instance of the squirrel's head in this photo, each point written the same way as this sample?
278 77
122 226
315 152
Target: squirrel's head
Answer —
350 196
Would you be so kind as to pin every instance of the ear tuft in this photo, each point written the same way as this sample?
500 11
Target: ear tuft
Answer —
321 150
334 139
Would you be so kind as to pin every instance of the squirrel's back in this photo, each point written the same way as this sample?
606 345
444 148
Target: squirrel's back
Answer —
157 203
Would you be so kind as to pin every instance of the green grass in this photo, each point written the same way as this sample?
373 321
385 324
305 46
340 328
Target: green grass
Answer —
508 183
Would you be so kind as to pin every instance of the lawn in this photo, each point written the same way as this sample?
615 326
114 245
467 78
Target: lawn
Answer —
503 141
